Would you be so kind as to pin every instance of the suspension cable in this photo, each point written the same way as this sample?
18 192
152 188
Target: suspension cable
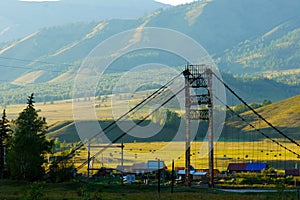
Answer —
122 135
138 106
258 130
130 129
255 112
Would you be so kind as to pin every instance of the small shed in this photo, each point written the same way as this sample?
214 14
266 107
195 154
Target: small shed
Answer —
196 175
246 167
152 165
139 168
236 167
124 168
199 175
292 172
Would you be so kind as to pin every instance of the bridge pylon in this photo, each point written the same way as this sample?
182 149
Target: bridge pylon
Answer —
198 106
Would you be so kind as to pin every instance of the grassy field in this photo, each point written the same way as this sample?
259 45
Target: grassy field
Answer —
57 111
76 190
286 113
225 153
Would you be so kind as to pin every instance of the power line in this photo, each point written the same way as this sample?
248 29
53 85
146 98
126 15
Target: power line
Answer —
35 61
51 70
154 95
138 106
109 70
138 123
142 120
35 69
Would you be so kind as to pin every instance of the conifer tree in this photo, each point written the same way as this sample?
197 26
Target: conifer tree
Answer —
5 135
29 145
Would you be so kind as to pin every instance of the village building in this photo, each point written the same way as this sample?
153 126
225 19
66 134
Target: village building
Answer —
246 167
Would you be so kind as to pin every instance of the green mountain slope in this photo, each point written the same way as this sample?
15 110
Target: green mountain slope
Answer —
221 24
285 115
275 51
248 37
51 48
252 90
217 25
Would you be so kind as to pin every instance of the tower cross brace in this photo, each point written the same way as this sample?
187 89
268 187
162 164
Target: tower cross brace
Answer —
198 107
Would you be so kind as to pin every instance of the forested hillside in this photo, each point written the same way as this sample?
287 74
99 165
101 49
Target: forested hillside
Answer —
276 54
257 41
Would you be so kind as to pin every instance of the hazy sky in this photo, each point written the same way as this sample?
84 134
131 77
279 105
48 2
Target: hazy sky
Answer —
39 0
174 2
171 2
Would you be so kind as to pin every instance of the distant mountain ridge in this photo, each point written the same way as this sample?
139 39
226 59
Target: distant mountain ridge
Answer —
18 18
249 37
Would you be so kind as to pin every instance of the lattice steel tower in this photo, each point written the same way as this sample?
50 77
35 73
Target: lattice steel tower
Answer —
199 106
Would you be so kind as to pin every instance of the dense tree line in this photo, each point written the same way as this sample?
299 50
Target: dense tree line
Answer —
240 108
166 117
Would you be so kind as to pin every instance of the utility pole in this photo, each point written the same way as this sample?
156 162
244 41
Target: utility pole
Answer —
211 130
122 162
172 180
187 131
158 176
89 158
122 156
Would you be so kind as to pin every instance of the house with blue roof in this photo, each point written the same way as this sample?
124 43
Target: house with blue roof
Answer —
246 167
256 167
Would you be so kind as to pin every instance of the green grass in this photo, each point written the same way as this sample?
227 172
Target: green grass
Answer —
76 190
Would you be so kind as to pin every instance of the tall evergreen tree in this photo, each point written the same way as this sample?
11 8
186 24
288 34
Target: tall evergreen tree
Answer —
29 145
5 135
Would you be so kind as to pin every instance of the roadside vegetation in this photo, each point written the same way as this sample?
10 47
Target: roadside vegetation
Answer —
96 191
